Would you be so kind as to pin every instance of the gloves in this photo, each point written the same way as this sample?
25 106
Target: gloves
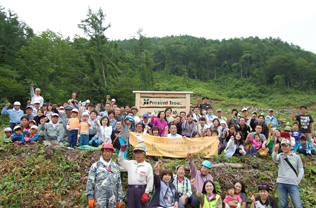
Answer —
91 203
226 205
153 113
24 130
119 204
123 147
78 136
144 198
238 205
67 127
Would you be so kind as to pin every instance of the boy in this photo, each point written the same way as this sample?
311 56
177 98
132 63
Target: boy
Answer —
314 144
17 137
202 127
83 133
29 112
296 133
7 136
32 138
304 147
73 126
124 136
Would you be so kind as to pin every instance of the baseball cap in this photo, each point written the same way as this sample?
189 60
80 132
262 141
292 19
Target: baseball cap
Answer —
61 108
287 128
85 114
34 127
37 89
285 141
68 107
55 114
17 103
8 129
145 115
37 102
271 110
29 107
244 109
90 105
219 110
303 106
113 100
75 110
17 127
223 122
87 101
205 97
139 147
129 118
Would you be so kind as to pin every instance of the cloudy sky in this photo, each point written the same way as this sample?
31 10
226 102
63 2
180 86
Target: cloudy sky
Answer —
292 21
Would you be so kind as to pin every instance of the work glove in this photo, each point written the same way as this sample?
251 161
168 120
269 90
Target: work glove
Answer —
226 205
119 204
144 198
238 205
123 147
91 203
153 113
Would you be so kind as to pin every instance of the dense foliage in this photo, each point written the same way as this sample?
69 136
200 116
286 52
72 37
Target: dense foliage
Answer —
93 66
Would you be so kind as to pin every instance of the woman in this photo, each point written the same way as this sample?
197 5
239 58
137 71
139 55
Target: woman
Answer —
208 197
183 186
169 117
177 121
160 121
226 137
216 125
235 146
104 131
188 126
240 191
111 115
165 194
40 112
264 199
276 138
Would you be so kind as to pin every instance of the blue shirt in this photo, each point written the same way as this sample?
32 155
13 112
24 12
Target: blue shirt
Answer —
274 121
305 146
14 116
296 135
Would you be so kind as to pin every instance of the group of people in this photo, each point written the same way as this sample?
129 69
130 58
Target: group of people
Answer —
108 125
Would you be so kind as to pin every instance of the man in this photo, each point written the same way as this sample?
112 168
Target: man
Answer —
219 114
105 109
245 112
265 129
117 116
140 177
115 133
253 120
54 131
243 127
305 123
36 107
140 129
290 174
183 115
258 130
136 117
14 114
104 186
270 119
205 105
29 112
235 118
200 176
202 127
173 131
73 100
36 95
196 115
65 115
146 121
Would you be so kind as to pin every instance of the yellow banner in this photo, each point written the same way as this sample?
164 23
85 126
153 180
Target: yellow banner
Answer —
177 146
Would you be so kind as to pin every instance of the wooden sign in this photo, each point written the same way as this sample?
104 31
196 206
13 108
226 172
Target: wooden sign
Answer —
166 102
175 111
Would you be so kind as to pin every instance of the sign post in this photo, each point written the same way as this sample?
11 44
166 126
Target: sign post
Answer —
149 101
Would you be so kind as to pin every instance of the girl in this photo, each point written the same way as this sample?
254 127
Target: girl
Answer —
231 197
104 131
160 121
155 131
208 197
235 146
165 194
32 137
111 115
188 126
44 108
49 111
256 143
183 186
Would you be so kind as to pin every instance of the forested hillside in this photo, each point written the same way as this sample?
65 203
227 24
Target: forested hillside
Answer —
240 68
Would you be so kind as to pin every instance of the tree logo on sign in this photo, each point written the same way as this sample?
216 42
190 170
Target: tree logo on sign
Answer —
146 101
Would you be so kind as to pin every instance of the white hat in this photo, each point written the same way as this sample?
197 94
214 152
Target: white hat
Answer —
244 109
85 114
75 110
17 127
87 101
55 114
38 89
17 103
223 122
37 102
8 129
34 127
113 100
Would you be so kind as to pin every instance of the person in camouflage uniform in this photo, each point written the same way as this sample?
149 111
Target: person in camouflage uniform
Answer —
104 187
52 131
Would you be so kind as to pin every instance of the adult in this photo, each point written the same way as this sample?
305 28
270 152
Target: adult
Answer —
258 130
264 199
169 117
243 127
245 113
177 121
146 122
188 126
35 95
136 117
165 194
226 136
36 107
290 174
115 134
205 105
240 191
270 119
14 114
209 116
140 177
200 177
140 129
253 120
73 100
65 115
265 129
183 186
208 197
118 116
235 146
104 186
111 116
173 131
160 121
196 114
235 118
29 112
305 123
220 117
127 109
52 131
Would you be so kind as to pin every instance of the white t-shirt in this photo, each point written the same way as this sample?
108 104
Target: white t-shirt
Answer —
171 135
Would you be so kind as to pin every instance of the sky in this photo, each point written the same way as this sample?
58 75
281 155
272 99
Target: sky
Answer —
291 21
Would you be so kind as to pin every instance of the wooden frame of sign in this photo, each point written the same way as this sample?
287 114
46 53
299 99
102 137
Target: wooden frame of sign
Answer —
149 101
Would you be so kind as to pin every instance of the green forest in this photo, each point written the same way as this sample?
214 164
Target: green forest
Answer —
248 69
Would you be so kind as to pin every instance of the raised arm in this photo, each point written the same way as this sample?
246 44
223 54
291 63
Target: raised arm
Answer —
193 169
32 90
293 116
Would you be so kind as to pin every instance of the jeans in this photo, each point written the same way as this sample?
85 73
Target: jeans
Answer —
253 150
283 190
181 205
194 202
12 125
84 139
72 138
121 143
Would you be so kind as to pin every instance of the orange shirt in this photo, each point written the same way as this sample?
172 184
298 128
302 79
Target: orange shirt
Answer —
84 128
73 123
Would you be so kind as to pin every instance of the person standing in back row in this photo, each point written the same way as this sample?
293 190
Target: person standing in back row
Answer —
35 95
205 105
306 123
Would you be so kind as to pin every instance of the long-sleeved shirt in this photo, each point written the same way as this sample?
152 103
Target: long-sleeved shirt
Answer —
286 174
36 97
55 132
138 173
199 179
188 128
125 131
200 197
231 148
274 121
104 132
14 116
161 124
183 187
308 147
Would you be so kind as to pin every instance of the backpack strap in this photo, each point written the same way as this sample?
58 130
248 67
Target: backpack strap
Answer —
291 166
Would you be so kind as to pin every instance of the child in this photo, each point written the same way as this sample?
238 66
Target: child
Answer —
155 131
296 133
49 111
104 131
209 116
314 144
231 196
304 147
17 137
73 126
7 136
83 133
124 136
286 133
256 143
33 136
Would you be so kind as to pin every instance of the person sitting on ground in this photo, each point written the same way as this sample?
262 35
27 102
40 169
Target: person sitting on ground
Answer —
32 137
243 127
296 133
169 117
160 122
304 147
183 186
188 126
173 131
265 129
256 143
258 130
200 176
235 146
165 194
264 199
14 114
35 95
240 191
231 197
7 136
208 197
17 137
286 133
